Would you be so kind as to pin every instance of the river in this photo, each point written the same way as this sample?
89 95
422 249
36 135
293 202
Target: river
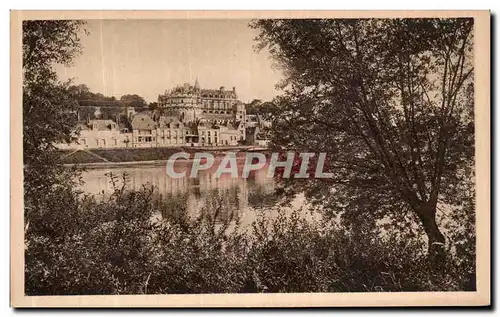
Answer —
245 197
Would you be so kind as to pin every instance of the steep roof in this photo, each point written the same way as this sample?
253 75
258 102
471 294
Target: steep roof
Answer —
218 92
169 122
142 121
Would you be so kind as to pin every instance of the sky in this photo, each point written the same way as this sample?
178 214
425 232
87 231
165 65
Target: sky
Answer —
146 57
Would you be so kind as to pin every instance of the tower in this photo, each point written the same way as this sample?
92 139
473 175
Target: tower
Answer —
196 84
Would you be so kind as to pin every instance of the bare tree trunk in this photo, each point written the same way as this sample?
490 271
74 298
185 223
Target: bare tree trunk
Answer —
427 215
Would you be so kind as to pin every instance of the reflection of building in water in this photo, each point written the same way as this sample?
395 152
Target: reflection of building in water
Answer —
234 193
231 189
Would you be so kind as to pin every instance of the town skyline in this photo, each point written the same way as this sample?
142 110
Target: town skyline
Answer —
148 57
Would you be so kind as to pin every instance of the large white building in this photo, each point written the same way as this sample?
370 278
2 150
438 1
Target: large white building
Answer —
191 103
187 116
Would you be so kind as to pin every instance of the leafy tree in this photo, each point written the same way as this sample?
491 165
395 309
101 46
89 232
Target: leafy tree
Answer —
153 105
80 92
133 101
85 97
48 107
391 101
253 106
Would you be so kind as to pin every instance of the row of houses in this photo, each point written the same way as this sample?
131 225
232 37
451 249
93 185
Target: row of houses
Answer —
142 130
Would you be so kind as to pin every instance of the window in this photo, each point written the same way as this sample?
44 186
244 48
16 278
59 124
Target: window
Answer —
115 142
83 141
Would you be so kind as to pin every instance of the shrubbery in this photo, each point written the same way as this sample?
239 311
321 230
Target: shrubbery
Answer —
77 244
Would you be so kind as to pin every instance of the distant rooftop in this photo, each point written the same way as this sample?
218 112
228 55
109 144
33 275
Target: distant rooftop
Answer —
187 89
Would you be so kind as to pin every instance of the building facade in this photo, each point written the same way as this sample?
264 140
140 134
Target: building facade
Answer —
96 134
187 116
191 103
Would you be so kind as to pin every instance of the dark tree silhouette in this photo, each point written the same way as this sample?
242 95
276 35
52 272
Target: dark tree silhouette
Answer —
390 100
133 101
49 110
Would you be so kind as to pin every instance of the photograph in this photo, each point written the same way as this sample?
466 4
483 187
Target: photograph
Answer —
246 158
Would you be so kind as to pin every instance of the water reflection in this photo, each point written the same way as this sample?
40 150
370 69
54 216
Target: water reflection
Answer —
229 195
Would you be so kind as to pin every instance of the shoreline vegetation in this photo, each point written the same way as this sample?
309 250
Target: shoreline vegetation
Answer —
121 245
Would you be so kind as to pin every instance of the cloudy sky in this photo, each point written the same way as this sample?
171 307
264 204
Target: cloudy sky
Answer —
145 57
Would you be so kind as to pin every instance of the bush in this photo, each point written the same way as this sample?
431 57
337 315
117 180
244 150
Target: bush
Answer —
140 242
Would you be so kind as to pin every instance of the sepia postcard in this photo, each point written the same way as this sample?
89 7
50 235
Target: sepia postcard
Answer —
250 158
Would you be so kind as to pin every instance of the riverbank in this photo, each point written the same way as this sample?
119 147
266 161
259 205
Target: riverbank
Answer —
143 243
138 156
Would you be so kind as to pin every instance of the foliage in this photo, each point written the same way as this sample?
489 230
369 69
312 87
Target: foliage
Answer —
84 96
133 101
370 119
390 101
153 105
257 106
48 109
137 242
252 107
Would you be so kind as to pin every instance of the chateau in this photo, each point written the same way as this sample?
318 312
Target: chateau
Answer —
186 116
191 103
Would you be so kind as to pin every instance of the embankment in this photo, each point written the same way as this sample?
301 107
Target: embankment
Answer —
124 156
